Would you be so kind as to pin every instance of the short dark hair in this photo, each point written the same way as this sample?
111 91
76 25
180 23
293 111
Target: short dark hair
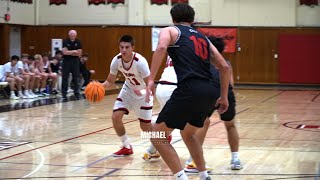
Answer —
128 39
14 57
31 58
182 12
217 42
59 52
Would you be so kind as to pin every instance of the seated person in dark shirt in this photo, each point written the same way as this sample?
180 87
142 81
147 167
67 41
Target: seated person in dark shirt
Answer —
56 66
86 74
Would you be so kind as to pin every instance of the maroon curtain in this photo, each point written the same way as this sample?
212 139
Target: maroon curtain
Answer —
115 1
58 2
299 58
96 2
23 1
159 2
309 2
179 1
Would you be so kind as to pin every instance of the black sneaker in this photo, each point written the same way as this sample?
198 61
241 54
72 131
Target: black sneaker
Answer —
64 98
55 91
76 97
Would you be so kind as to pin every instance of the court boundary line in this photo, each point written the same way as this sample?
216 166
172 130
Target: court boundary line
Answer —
190 174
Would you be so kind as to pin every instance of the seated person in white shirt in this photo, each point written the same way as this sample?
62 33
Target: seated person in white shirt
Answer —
7 75
29 85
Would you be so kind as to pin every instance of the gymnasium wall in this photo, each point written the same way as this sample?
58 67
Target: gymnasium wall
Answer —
255 63
79 12
20 13
308 16
101 43
4 42
273 13
221 12
253 13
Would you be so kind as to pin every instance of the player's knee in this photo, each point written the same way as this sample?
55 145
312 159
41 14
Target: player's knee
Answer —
117 115
229 124
206 123
145 126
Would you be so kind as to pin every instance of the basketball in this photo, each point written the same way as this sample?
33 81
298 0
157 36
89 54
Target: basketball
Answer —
94 92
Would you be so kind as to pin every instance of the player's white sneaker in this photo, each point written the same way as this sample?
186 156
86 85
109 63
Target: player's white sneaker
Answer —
236 164
13 97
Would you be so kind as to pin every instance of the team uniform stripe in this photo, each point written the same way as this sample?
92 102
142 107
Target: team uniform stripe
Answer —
119 99
167 83
144 121
122 109
146 107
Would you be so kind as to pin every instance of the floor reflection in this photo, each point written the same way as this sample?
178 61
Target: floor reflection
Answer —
12 105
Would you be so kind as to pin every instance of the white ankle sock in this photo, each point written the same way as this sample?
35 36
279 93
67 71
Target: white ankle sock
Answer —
203 175
189 160
125 141
181 175
151 149
235 155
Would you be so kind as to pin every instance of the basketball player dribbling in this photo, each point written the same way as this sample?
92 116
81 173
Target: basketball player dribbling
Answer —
136 70
189 104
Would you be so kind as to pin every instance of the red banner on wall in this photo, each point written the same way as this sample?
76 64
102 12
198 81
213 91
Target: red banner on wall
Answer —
309 2
96 2
229 36
23 1
159 2
57 2
115 1
173 2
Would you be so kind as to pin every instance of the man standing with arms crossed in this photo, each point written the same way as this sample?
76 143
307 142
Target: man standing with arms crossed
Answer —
72 51
189 104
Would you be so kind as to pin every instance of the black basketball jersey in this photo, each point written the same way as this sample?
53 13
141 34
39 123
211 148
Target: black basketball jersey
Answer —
190 54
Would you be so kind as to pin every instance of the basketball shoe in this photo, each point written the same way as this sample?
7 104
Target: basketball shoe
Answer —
147 156
236 164
192 168
123 152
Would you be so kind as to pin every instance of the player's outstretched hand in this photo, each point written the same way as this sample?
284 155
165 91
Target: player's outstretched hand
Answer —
222 104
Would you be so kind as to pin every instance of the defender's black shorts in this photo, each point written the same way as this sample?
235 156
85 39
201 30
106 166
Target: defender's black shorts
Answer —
189 103
231 112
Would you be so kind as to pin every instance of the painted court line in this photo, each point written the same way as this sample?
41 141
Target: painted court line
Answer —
107 174
62 141
95 162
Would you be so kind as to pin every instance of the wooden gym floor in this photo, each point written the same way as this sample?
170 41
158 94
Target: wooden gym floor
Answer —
51 139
